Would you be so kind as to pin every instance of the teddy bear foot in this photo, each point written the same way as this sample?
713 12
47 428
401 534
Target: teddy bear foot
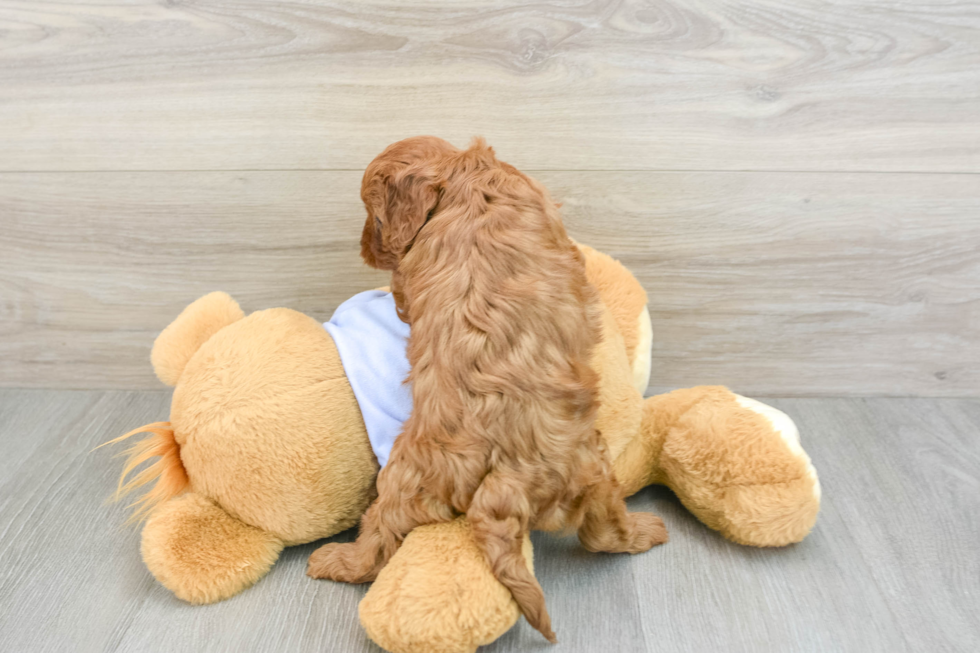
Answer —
201 553
774 514
734 462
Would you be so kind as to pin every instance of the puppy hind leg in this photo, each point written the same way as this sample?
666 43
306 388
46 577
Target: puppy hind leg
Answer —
608 527
383 528
499 517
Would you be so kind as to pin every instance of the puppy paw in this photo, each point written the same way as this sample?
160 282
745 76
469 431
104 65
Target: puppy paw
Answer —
339 562
648 530
322 562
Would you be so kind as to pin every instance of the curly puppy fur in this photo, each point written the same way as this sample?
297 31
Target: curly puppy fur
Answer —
503 327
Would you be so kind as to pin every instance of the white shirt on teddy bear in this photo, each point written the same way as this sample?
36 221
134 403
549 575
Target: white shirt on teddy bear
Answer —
371 340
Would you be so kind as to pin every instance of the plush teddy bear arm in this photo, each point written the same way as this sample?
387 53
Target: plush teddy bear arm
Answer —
176 344
733 462
201 553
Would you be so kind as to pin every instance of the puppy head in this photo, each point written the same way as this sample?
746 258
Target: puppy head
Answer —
400 190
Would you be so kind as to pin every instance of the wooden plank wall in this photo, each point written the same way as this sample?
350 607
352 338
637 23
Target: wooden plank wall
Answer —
797 184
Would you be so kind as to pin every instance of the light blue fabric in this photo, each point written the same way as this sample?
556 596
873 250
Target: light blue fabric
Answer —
371 340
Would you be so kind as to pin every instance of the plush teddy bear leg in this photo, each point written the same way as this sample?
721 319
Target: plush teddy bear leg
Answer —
437 594
201 553
734 462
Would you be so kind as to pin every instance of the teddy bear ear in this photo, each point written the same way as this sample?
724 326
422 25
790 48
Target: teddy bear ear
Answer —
177 344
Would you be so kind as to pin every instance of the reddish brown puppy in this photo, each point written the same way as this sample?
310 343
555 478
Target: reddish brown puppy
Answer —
503 327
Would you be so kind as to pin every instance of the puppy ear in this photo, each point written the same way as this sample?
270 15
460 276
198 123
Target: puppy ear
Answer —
411 196
401 188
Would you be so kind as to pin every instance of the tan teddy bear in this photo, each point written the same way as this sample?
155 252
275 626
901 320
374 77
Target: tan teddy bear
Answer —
266 448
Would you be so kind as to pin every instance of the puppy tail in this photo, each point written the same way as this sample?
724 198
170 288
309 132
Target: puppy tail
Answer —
499 528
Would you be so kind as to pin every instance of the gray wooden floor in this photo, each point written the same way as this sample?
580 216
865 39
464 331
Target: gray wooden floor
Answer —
892 565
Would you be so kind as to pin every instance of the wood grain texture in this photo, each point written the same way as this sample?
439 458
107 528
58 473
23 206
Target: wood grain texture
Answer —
230 135
796 283
890 566
94 266
668 85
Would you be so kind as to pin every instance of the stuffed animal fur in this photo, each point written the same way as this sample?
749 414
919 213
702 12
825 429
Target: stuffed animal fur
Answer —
265 448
